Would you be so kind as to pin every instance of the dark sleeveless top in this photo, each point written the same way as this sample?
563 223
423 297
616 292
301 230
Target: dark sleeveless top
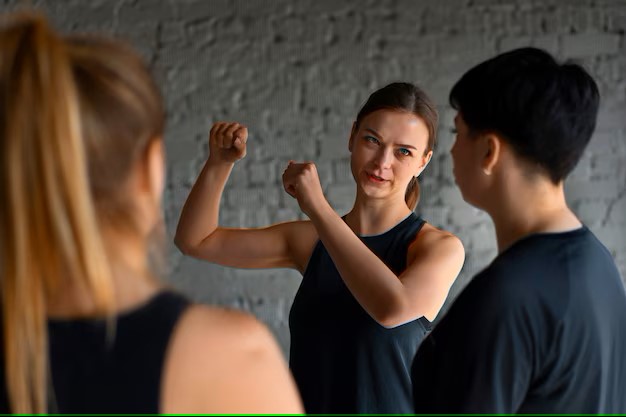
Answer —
343 360
93 375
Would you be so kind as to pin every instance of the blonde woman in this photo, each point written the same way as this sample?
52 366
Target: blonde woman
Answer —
86 326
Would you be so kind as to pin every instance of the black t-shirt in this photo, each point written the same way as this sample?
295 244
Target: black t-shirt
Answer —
541 330
342 359
93 373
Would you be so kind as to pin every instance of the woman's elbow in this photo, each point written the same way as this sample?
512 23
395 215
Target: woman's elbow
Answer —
183 245
403 314
393 322
393 316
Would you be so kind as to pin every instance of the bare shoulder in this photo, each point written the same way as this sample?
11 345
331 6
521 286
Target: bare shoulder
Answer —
432 240
302 237
225 361
216 328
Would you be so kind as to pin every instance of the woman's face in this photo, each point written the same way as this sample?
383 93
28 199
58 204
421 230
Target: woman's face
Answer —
388 149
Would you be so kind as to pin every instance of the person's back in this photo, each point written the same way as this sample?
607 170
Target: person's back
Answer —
543 328
91 370
144 369
596 336
553 323
86 327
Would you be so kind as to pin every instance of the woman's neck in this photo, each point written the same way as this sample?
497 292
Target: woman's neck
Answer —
528 210
371 217
132 282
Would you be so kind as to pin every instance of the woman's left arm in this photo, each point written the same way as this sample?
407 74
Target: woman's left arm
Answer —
435 259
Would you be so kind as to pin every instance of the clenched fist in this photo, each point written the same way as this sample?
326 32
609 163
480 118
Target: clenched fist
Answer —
227 142
302 182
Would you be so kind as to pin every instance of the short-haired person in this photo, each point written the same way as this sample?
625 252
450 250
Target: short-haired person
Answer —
372 280
542 329
86 326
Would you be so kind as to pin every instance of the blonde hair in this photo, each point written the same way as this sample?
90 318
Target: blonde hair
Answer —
69 110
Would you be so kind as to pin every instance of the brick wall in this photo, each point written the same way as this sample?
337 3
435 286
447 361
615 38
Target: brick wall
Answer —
296 72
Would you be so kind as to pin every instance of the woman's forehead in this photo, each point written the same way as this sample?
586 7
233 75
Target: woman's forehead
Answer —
391 123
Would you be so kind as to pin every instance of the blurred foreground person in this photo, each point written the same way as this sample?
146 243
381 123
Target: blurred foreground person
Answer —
86 326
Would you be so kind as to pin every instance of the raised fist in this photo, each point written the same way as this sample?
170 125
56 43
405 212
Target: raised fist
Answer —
227 142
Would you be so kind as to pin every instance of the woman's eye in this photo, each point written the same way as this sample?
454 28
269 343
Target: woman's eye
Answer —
404 152
371 139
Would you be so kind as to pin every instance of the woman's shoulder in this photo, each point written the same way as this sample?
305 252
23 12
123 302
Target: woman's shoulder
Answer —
302 237
434 239
211 329
431 234
215 355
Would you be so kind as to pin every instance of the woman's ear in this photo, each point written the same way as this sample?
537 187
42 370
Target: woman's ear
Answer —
147 183
150 172
155 168
425 160
352 133
492 152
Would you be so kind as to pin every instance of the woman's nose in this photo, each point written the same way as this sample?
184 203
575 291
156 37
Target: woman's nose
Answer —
384 157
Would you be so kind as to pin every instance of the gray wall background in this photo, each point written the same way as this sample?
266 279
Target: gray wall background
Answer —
296 72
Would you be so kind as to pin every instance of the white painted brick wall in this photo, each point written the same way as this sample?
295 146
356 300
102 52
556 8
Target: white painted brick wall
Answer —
296 71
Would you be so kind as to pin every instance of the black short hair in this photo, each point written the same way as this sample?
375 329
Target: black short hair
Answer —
545 110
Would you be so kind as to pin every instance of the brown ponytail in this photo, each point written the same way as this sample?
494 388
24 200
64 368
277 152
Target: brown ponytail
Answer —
412 196
50 234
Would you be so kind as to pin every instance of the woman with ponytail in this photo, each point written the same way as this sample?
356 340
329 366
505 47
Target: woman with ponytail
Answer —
86 328
373 280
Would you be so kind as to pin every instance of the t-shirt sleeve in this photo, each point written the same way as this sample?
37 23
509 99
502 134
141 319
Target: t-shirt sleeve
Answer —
478 359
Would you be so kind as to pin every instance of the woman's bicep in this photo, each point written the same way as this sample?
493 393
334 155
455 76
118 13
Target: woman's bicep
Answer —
283 245
247 248
434 266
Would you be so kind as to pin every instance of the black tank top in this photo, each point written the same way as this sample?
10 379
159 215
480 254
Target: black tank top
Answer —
343 360
93 375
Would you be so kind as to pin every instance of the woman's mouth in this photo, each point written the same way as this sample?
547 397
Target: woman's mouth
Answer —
375 178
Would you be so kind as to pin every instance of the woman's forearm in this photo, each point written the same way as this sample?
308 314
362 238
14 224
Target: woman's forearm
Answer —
373 284
200 214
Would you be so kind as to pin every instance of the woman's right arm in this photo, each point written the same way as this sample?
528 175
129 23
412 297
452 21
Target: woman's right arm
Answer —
284 245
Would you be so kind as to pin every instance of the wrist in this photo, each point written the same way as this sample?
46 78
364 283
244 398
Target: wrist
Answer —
320 211
219 164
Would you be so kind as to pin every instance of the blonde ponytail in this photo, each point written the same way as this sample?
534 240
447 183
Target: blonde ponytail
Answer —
50 233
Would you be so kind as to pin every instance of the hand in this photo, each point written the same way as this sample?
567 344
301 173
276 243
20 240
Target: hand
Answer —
227 142
302 182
